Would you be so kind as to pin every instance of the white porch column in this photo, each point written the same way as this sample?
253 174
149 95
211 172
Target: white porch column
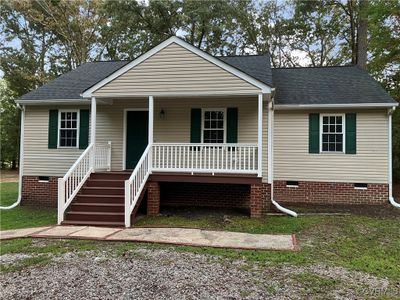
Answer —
260 128
93 121
151 118
151 122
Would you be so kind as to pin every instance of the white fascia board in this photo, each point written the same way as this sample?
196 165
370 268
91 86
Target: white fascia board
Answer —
178 94
322 106
54 101
264 88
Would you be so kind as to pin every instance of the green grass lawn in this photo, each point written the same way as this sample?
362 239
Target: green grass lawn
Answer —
22 216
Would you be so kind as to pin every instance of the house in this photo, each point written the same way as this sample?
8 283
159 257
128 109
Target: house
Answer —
177 126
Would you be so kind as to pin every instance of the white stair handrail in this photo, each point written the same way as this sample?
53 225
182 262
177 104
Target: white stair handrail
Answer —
136 182
73 180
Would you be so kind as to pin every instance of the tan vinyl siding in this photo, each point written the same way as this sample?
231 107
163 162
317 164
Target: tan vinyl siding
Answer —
175 70
293 162
38 159
176 126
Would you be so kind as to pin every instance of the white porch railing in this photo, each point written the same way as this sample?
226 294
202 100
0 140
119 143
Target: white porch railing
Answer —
205 158
135 184
95 157
102 157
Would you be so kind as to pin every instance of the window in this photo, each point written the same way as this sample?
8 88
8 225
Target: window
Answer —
68 129
213 126
332 133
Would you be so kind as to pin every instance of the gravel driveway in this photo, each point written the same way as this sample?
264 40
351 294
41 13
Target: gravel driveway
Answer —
166 274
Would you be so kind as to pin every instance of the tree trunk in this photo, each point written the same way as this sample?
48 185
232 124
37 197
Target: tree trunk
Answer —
362 34
353 26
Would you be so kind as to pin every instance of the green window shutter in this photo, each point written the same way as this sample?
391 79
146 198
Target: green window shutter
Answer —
351 131
83 128
53 129
313 139
231 125
195 125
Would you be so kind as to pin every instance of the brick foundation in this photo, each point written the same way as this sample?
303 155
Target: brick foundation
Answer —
153 198
260 199
254 198
330 193
38 193
206 195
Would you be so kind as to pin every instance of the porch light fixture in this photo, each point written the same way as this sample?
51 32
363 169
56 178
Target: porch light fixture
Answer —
162 114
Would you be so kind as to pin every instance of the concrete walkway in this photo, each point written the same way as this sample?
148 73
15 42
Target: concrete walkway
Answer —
176 236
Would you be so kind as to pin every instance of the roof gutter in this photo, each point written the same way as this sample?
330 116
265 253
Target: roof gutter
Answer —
322 106
53 101
390 170
271 158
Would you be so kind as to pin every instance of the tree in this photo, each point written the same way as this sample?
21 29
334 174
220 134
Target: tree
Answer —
209 25
265 29
315 31
384 59
362 34
74 24
24 54
9 127
137 27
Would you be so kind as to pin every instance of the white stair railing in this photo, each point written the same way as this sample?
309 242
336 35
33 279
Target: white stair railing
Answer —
70 184
95 157
205 158
136 182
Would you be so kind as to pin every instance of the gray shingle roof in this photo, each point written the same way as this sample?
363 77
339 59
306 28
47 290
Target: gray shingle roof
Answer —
327 85
72 84
257 66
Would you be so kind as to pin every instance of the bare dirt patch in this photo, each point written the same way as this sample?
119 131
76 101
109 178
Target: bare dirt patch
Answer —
8 175
384 210
396 191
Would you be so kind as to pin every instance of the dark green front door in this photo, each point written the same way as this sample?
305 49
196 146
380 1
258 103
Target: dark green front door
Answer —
137 124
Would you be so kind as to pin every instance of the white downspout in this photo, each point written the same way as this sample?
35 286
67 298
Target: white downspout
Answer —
391 198
21 161
271 161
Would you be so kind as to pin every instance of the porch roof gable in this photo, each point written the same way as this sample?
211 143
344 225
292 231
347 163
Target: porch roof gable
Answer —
256 81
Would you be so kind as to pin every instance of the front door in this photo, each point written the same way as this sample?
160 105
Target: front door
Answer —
137 124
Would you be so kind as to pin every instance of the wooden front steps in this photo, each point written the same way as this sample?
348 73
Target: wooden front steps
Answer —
100 202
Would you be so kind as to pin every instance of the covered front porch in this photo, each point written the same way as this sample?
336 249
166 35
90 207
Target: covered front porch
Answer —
214 137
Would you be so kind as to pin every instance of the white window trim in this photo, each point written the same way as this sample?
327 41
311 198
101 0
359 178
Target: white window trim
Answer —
59 128
203 110
321 118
